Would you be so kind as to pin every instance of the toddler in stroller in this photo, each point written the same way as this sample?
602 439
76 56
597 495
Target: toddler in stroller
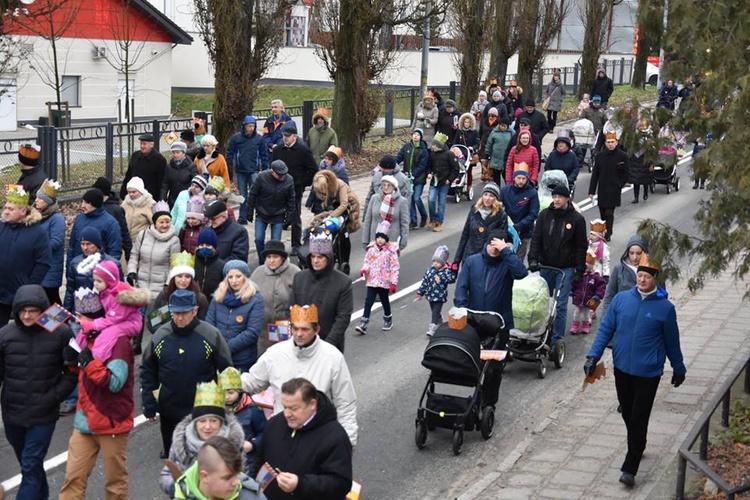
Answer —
462 186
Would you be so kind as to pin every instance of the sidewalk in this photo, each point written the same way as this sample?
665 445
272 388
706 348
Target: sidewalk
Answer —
577 451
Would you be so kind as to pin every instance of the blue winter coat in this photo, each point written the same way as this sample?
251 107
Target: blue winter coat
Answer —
54 225
434 287
567 162
26 255
522 206
246 153
75 278
107 226
486 283
647 333
240 326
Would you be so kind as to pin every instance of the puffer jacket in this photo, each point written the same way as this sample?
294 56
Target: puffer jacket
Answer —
26 254
344 204
529 156
276 289
467 137
522 206
53 223
399 232
434 286
233 242
445 123
623 275
381 265
34 380
78 275
107 226
149 259
177 178
414 158
496 148
32 179
271 199
560 239
443 166
241 326
427 121
591 285
189 237
138 214
567 162
476 232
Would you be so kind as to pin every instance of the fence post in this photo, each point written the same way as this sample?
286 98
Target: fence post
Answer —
747 378
109 151
576 70
452 90
681 473
622 70
703 448
388 113
412 106
307 114
47 140
157 134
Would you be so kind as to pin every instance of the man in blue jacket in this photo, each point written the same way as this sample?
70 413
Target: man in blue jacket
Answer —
646 325
95 215
247 155
522 206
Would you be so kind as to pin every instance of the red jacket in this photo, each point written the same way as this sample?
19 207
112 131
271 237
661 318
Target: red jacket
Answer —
529 156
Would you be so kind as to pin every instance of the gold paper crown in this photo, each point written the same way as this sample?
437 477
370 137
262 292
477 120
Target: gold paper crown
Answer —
181 259
230 379
590 258
611 135
598 226
49 188
645 262
208 394
304 314
15 195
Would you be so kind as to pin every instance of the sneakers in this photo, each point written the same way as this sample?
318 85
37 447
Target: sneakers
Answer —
67 409
585 327
574 327
387 322
431 329
362 326
437 227
423 221
413 226
627 479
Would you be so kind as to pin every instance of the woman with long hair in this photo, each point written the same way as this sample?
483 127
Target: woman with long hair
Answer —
485 216
210 161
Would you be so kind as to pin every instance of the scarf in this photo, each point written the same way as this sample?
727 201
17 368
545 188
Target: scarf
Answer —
484 212
387 206
193 442
145 200
231 300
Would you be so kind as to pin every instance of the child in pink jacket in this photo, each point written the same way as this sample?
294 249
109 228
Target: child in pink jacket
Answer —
523 156
381 272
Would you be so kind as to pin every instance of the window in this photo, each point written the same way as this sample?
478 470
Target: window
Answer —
296 29
71 90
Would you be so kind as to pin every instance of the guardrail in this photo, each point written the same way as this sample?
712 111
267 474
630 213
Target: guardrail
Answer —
701 431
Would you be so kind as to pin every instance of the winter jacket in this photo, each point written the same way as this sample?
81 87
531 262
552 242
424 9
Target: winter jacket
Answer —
339 170
107 226
113 208
32 179
187 487
381 265
486 283
188 236
486 126
272 199
535 141
567 162
276 289
343 204
241 326
177 179
640 170
233 242
253 421
443 166
175 361
596 116
556 94
319 454
138 214
320 363
414 159
603 87
272 129
514 102
151 168
301 163
319 139
27 257
608 177
434 286
427 121
376 180
497 146
466 137
476 233
529 156
150 258
399 232
331 291
600 249
591 285
33 379
247 154
502 110
78 274
646 334
179 209
560 239
161 301
53 223
208 274
539 125
522 206
446 122
623 275
215 165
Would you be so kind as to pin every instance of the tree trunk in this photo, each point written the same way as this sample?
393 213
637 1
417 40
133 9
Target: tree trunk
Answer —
527 27
596 11
650 27
503 44
472 51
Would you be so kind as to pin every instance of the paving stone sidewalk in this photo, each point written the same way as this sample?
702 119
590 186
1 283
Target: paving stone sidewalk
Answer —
577 451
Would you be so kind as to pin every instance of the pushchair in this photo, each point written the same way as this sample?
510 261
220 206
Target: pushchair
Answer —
547 182
330 229
665 169
586 139
453 357
534 311
462 185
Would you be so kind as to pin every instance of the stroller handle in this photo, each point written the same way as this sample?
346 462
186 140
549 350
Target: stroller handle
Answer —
491 313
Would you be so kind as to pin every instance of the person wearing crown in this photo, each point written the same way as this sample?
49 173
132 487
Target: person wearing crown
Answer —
609 175
54 223
25 247
645 324
306 355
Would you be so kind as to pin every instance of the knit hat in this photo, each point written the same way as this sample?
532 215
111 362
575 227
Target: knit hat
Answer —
48 191
500 235
208 237
493 189
596 98
524 121
236 264
389 179
561 190
214 208
137 184
450 103
440 139
493 111
274 247
199 181
521 172
383 229
94 197
103 184
92 235
209 401
646 265
86 301
28 154
523 133
108 272
248 119
387 162
419 131
146 137
230 379
17 196
181 263
598 227
187 135
195 208
289 128
497 95
563 136
182 301
160 209
178 146
321 245
530 102
441 254
279 167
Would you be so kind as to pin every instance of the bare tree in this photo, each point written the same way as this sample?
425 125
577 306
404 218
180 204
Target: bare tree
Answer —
469 31
539 22
650 27
594 15
505 40
243 39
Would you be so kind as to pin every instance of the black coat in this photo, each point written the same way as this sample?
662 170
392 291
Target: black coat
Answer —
151 168
31 180
602 87
26 255
232 241
445 123
609 175
560 239
177 178
319 453
113 208
502 110
208 274
34 380
475 235
443 166
640 170
272 199
301 163
539 125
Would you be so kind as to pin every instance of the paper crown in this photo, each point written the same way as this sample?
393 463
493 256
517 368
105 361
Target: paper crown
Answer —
645 264
457 318
208 394
195 207
86 301
217 183
590 258
598 227
16 195
160 206
321 244
610 135
303 314
440 138
230 379
49 188
181 263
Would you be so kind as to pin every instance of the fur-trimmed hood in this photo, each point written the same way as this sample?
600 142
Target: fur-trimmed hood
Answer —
470 117
138 297
33 217
180 452
320 115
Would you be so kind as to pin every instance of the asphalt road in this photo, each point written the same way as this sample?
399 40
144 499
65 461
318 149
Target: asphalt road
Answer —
389 379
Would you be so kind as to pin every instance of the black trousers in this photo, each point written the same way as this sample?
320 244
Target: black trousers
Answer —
636 396
167 426
297 216
608 215
6 311
637 190
53 295
492 380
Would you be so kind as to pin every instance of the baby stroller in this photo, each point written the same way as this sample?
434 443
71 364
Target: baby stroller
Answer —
665 169
453 357
461 186
547 182
329 227
534 311
586 139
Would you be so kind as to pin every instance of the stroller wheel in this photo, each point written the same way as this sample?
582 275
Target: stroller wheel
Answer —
457 195
470 193
488 422
510 356
669 188
420 437
541 369
559 354
677 184
458 441
652 187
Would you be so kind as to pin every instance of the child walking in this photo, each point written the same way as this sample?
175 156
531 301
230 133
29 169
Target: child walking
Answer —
435 283
587 295
380 269
599 248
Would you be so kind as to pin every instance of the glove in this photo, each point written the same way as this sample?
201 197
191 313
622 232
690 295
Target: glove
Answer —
454 267
392 289
589 366
577 279
363 272
250 218
606 279
677 380
70 356
596 298
419 297
286 226
85 358
131 279
86 325
533 266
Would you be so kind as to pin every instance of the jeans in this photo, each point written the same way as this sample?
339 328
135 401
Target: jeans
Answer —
417 205
30 445
435 312
437 199
260 235
244 182
552 278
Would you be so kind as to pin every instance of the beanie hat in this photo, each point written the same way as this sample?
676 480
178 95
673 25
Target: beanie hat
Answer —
450 103
94 197
160 209
199 181
525 173
321 245
195 207
563 136
28 154
523 133
181 263
92 235
230 379
216 185
103 185
561 190
209 401
108 272
383 229
497 94
493 111
236 264
214 208
530 102
187 135
493 189
420 132
387 162
137 184
441 254
596 98
178 146
389 179
48 191
208 237
289 128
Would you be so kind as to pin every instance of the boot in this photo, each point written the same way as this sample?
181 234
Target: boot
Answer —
437 227
645 194
345 268
387 322
137 340
423 221
703 184
362 326
431 329
431 224
635 200
695 184
574 327
586 326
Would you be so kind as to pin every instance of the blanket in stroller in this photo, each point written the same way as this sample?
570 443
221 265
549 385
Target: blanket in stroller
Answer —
530 304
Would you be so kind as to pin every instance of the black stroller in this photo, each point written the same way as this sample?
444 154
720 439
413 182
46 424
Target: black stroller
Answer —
454 358
304 250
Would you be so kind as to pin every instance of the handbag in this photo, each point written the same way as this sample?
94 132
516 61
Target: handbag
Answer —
545 104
